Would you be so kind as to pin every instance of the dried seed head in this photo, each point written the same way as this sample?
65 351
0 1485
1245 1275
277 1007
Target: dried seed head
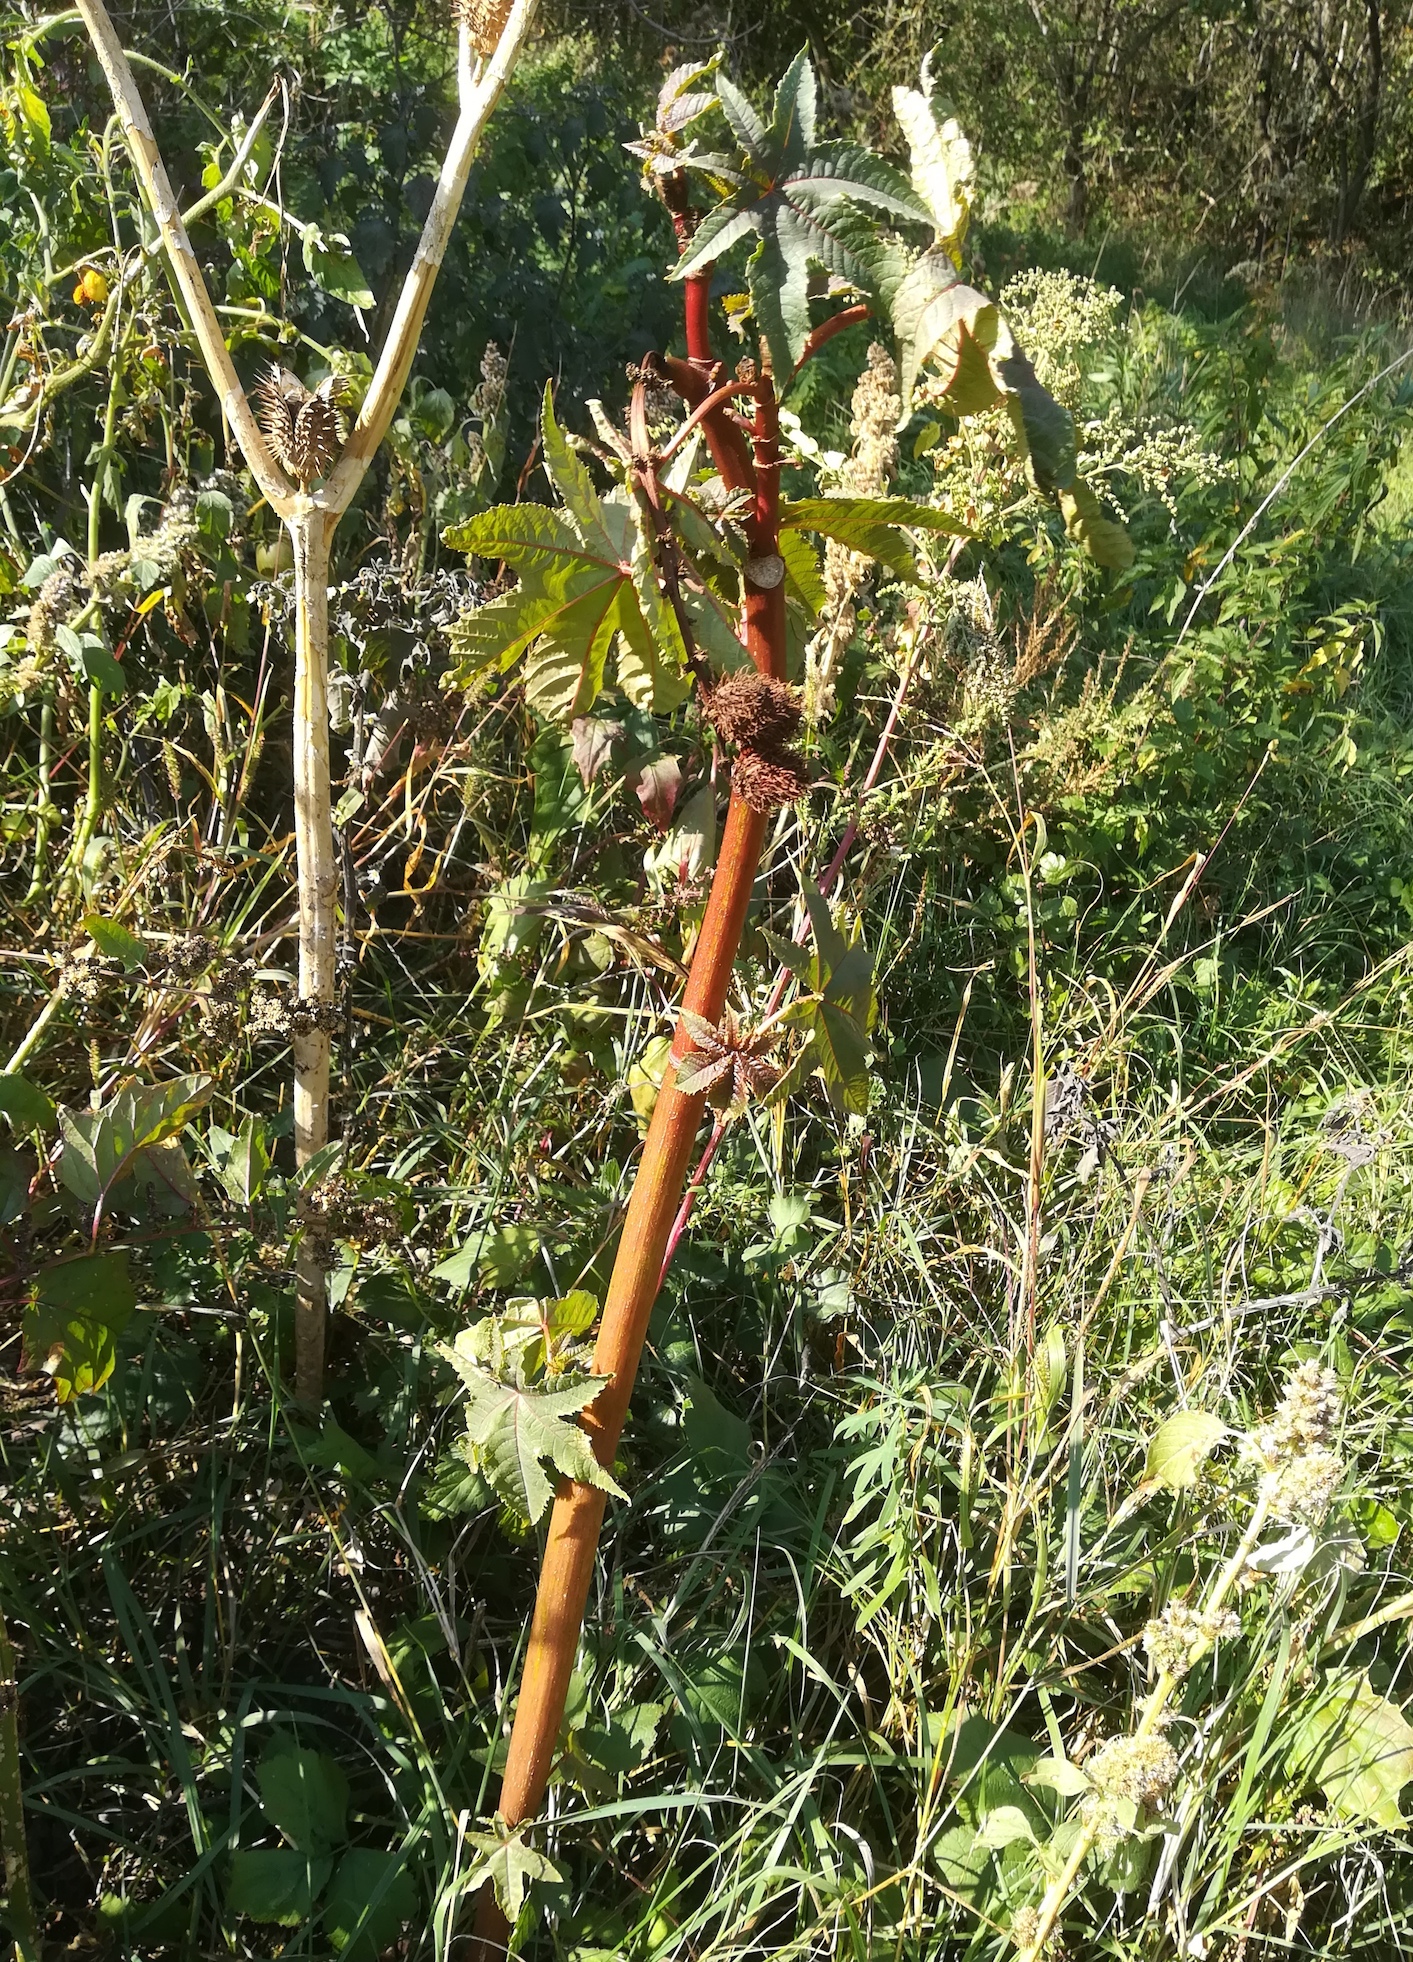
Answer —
752 711
485 21
764 783
303 427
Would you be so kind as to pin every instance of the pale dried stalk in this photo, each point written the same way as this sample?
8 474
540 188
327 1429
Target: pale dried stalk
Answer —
157 191
312 534
311 520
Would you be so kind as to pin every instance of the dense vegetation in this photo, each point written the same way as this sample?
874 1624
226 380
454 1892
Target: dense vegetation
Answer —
1013 1491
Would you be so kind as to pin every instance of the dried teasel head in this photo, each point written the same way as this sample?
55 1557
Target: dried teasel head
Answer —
303 427
485 21
752 711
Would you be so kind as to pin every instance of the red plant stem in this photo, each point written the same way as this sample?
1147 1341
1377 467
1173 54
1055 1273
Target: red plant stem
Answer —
572 1543
825 332
704 409
698 316
782 981
689 1197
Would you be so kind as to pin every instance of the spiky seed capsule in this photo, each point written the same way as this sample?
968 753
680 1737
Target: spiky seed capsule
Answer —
764 783
485 21
753 711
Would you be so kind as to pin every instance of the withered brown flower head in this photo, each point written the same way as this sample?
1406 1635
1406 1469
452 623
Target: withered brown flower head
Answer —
303 427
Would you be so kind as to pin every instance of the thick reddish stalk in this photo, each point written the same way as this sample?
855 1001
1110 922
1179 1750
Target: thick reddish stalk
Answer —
572 1544
698 315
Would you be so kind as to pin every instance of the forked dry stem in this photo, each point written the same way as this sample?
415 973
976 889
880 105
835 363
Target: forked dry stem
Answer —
311 517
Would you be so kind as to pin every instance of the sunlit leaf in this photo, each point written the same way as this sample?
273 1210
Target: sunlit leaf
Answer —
1181 1446
115 942
941 166
511 1429
512 1866
79 1308
873 526
101 1147
1358 1747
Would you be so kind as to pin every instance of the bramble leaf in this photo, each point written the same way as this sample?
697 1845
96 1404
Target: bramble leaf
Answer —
275 1884
304 1795
370 1897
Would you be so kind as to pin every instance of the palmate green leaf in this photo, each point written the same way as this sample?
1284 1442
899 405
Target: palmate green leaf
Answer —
941 160
510 1428
1357 1746
587 579
939 319
512 1865
804 584
871 525
837 1013
652 669
569 474
801 199
792 118
565 670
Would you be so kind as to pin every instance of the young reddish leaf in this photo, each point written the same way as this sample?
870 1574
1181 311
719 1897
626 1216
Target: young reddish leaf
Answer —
657 784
